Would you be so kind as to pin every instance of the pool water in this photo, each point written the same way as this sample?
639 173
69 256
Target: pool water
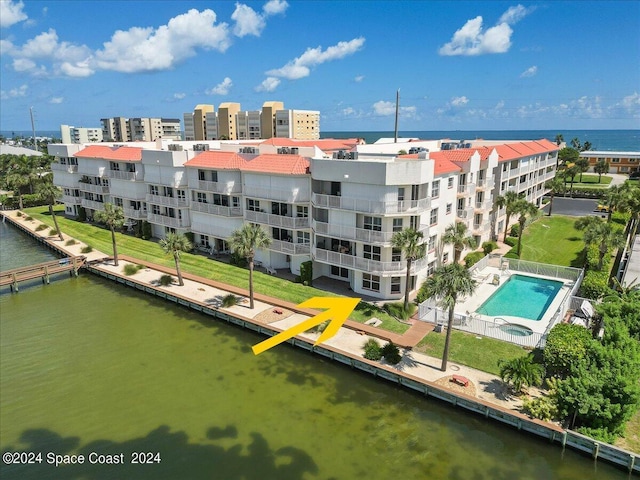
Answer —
522 296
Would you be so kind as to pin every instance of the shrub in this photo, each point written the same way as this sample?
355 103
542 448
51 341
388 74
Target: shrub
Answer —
87 249
473 258
489 246
237 260
146 230
166 280
391 353
511 254
515 230
372 350
229 300
511 241
70 242
544 408
595 285
190 237
130 269
28 218
306 272
41 227
53 231
82 214
18 214
396 309
566 348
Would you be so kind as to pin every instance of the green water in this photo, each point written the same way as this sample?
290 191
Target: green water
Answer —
90 366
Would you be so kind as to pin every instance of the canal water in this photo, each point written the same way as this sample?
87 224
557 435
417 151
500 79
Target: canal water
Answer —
91 368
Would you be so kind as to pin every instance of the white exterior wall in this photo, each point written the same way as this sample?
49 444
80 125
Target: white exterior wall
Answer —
283 188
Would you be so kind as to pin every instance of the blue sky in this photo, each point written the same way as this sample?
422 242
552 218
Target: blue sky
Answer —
488 65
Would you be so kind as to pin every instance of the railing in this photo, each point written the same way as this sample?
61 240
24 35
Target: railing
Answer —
226 188
131 176
135 214
481 227
568 273
369 206
467 189
365 264
277 220
482 183
465 212
290 248
167 221
64 168
92 204
292 195
211 230
359 234
216 209
166 201
88 187
71 200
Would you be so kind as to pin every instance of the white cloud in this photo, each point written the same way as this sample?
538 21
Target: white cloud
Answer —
471 39
300 67
359 78
274 7
23 64
11 13
179 96
222 88
459 101
631 102
349 111
56 100
250 22
384 109
21 91
529 72
269 84
78 69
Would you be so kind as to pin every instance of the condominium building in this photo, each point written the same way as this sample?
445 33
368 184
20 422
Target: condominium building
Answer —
299 124
71 134
268 118
332 202
142 129
619 162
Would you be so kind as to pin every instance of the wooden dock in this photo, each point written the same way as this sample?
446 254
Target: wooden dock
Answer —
42 270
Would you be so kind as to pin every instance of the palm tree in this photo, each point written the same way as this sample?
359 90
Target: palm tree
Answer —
508 200
449 283
16 181
244 242
570 171
602 234
583 166
559 139
113 217
614 197
524 209
601 167
521 372
409 241
555 186
175 244
49 193
456 235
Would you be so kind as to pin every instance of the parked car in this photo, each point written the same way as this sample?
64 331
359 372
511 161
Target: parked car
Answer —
603 208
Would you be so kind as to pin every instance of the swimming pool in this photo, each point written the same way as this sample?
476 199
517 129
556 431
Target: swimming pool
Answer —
522 296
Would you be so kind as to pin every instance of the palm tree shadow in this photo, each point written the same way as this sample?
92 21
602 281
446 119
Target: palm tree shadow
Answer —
497 388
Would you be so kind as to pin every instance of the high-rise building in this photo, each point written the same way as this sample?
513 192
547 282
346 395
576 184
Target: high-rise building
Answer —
141 129
227 124
268 118
71 134
298 124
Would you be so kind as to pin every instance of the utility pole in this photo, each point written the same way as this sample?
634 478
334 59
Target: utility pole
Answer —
33 129
395 137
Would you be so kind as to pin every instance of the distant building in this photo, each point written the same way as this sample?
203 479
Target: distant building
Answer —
619 162
298 124
71 134
142 129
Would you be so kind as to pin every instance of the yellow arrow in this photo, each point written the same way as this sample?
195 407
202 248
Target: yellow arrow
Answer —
338 310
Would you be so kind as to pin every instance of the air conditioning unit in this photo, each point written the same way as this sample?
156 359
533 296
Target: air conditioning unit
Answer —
201 147
174 147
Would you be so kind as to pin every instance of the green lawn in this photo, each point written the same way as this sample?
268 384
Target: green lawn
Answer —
100 239
592 180
472 350
553 240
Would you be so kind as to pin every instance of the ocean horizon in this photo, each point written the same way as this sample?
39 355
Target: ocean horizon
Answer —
619 140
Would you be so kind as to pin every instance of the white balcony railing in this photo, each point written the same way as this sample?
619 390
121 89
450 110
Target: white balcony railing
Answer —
467 189
166 201
292 195
212 209
131 176
290 248
135 214
58 167
359 234
92 204
71 200
167 221
88 187
226 188
484 183
277 220
365 264
369 206
465 212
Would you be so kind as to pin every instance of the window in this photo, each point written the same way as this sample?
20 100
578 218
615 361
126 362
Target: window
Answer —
253 205
279 209
373 223
445 257
370 282
302 211
401 194
201 197
339 271
114 167
615 160
395 284
220 200
396 255
155 209
432 242
397 225
304 237
449 208
235 201
118 202
214 176
181 194
450 182
433 217
371 252
435 188
431 268
153 189
201 175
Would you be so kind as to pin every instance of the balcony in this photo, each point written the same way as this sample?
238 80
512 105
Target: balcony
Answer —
369 206
88 187
480 228
167 221
57 167
71 200
466 190
484 205
292 195
465 213
92 204
484 183
212 209
277 220
130 176
135 214
166 201
226 188
360 234
290 248
365 264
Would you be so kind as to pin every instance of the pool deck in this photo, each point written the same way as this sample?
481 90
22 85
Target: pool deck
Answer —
486 288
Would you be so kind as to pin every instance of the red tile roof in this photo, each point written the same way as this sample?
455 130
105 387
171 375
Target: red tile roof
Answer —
326 144
121 154
282 164
218 160
441 165
511 151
